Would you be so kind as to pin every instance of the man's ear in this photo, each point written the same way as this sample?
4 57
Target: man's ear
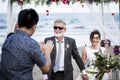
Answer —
34 27
65 30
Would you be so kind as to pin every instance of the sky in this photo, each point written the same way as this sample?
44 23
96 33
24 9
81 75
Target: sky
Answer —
62 8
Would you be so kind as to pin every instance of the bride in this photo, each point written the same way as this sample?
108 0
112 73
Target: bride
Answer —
88 57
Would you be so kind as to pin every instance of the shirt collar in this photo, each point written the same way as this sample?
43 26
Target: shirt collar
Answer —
57 40
22 32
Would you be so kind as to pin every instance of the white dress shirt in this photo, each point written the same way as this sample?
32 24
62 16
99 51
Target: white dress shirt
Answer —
61 64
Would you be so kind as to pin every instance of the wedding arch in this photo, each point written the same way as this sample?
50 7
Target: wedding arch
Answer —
89 3
13 5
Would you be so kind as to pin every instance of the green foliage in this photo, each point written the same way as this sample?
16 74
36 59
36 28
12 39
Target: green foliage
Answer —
105 62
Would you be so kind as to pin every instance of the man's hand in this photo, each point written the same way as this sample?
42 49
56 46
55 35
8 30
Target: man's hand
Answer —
46 48
84 77
41 46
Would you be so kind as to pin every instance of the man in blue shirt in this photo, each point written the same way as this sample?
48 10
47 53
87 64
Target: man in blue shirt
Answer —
20 52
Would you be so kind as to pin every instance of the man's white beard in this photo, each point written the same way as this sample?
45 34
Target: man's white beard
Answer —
59 35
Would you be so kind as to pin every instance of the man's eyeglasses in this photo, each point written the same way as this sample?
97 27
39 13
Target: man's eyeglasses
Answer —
57 27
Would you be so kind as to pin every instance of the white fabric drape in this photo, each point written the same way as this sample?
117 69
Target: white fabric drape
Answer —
9 17
12 13
107 23
102 20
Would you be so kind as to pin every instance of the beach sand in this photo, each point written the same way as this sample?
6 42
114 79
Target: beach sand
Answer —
37 74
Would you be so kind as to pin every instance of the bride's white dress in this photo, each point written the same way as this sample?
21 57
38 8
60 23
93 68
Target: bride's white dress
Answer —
90 59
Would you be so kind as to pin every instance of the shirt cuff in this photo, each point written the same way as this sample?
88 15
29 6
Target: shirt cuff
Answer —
83 72
45 76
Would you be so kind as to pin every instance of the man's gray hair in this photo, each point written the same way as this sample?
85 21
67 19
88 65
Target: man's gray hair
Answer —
60 21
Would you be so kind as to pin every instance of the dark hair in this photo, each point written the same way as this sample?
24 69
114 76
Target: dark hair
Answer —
27 18
93 33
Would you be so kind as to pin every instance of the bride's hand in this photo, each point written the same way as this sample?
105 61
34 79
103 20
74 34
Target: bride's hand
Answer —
84 77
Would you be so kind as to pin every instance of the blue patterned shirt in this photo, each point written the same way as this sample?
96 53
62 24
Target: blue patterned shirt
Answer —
19 55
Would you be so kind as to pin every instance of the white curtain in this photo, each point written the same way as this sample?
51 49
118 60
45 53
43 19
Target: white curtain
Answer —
107 23
102 20
9 17
12 13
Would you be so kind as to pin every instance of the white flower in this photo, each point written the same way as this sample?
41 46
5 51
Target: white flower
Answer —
67 46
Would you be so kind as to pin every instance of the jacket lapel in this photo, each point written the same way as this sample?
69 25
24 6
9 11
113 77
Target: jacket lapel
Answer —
53 55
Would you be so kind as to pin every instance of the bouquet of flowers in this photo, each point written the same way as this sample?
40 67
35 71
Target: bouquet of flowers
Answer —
105 62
